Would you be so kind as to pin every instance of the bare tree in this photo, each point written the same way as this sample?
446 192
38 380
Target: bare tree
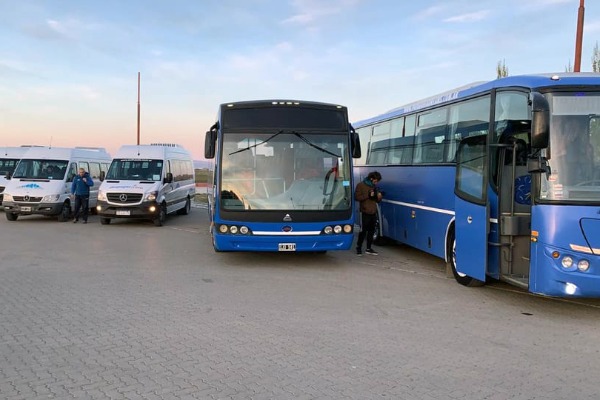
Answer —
596 59
569 68
501 69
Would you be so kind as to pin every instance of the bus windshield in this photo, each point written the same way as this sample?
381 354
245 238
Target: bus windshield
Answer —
285 171
135 170
41 169
574 153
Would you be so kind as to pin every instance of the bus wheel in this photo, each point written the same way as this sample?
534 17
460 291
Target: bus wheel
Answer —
162 216
65 212
11 216
186 209
461 278
104 221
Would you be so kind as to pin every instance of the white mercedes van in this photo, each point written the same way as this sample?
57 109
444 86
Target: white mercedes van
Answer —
147 182
9 157
41 182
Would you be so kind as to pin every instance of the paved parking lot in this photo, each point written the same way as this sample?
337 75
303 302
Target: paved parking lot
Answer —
132 311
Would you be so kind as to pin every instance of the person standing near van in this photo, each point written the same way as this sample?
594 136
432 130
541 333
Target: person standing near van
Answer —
368 195
80 188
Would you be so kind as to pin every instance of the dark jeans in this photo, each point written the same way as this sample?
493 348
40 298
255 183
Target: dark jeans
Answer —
83 203
367 229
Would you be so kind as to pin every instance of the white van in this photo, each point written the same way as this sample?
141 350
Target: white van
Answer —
9 157
41 182
147 182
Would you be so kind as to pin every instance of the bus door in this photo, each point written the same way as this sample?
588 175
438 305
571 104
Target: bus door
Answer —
514 191
471 211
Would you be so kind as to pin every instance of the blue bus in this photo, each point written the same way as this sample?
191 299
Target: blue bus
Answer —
282 177
501 179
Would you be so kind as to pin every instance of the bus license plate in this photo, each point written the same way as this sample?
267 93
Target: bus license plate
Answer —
123 212
287 246
26 209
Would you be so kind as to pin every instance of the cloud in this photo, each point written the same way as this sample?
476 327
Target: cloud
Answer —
311 11
469 17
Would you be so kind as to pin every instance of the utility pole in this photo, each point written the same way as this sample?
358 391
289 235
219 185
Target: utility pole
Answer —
139 108
579 38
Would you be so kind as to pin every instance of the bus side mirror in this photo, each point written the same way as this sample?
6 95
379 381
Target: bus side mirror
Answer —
210 141
540 120
169 177
356 152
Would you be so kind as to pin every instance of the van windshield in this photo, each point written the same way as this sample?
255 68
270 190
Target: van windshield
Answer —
135 170
7 165
41 169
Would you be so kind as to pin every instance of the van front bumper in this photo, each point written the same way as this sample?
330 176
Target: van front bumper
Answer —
144 210
23 208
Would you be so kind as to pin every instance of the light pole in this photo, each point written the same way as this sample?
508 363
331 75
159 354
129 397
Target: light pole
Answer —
579 37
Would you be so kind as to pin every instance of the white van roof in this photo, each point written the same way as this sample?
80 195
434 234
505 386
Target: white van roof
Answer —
66 153
14 152
152 151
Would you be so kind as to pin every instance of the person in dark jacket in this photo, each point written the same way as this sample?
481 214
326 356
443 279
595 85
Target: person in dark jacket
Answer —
80 188
368 195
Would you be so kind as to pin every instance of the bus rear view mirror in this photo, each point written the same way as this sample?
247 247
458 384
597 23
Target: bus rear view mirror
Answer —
540 120
210 141
356 152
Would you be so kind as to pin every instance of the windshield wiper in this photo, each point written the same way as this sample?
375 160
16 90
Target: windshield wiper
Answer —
308 142
257 144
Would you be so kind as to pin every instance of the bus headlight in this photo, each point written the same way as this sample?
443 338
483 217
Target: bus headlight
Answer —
337 229
347 228
244 230
583 265
328 230
151 196
51 198
233 229
223 228
101 195
567 262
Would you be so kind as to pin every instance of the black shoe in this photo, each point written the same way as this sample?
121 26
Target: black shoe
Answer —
75 221
371 252
85 222
358 251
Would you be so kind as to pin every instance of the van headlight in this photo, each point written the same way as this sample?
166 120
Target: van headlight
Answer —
151 196
7 197
51 198
101 195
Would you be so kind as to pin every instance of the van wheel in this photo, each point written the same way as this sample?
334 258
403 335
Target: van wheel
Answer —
104 221
65 212
161 217
461 278
11 216
186 209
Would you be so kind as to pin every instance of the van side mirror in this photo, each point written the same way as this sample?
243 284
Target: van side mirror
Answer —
540 120
210 141
102 175
8 176
169 177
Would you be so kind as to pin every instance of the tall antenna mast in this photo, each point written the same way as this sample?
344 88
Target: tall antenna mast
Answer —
138 112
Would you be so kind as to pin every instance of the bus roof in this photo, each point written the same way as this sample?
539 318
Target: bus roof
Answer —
273 102
535 81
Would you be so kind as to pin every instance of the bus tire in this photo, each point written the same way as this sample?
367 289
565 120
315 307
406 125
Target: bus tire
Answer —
162 215
461 278
11 216
65 212
186 209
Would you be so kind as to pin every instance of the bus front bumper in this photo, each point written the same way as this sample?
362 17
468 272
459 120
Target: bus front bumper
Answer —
319 243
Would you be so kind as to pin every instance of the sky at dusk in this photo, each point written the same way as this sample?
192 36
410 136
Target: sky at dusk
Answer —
69 69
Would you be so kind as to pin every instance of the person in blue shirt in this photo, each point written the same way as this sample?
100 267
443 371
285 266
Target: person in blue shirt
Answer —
80 188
